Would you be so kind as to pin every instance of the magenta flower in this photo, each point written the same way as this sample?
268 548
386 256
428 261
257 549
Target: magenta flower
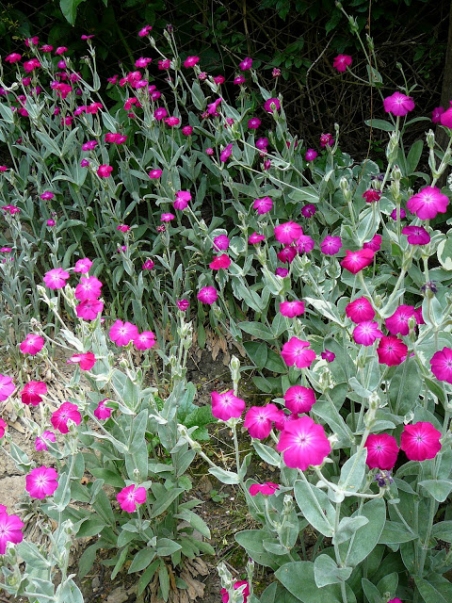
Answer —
239 80
366 333
3 426
374 244
382 451
32 392
308 210
155 174
246 592
85 360
391 350
254 123
89 287
297 353
227 406
288 232
6 387
326 140
299 399
304 244
226 152
83 266
255 238
104 171
207 295
420 441
131 496
281 272
172 121
14 57
428 203
183 304
287 255
145 31
311 154
440 364
259 420
266 489
148 265
47 195
445 118
10 529
89 309
143 62
360 310
331 245
144 341
65 413
221 242
371 195
121 333
292 308
271 105
167 217
56 278
303 443
42 440
32 344
101 411
355 261
187 130
182 200
328 355
341 62
123 228
246 64
191 61
41 482
397 323
416 235
398 104
221 262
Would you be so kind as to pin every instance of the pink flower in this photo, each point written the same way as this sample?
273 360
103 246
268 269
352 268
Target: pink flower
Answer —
360 310
32 344
167 217
10 529
182 200
297 353
239 80
398 104
41 482
65 413
160 113
440 364
207 295
155 174
60 50
148 265
391 350
263 205
299 399
6 387
89 309
287 255
328 355
172 121
420 441
14 57
271 105
191 61
262 143
266 489
374 244
142 62
121 333
221 242
183 304
303 443
366 332
88 288
304 244
281 272
56 278
32 392
292 308
104 171
31 65
101 411
144 341
428 203
331 245
342 61
131 496
187 130
219 79
355 261
85 360
254 123
446 118
398 322
246 592
221 262
47 195
255 238
259 420
227 406
3 426
416 235
246 64
382 451
311 154
83 266
288 232
42 440
145 31
371 195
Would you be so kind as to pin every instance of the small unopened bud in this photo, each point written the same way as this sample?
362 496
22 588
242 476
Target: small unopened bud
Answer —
430 136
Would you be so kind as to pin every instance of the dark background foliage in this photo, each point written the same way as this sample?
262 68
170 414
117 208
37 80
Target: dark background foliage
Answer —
300 37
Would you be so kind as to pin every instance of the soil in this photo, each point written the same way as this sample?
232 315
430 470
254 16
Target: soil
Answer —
223 507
